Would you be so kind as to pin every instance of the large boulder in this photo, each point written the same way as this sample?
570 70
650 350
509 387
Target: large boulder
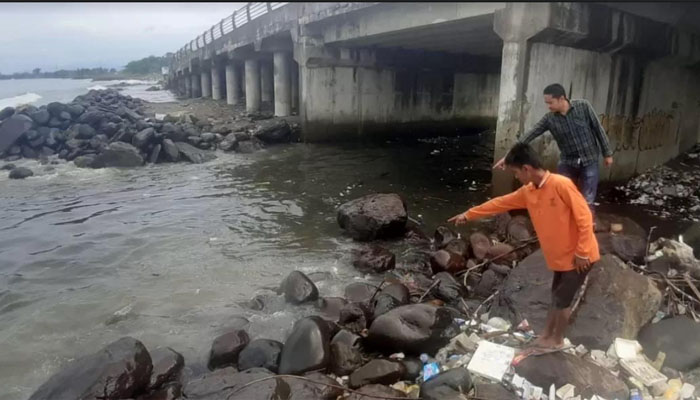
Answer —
118 154
170 150
373 259
561 368
12 128
677 337
223 383
443 235
519 229
329 307
261 353
385 372
298 288
273 131
448 385
119 371
480 244
617 303
376 391
20 173
375 216
414 329
448 289
225 349
307 348
143 138
345 354
193 154
458 246
6 112
447 261
41 116
167 365
359 292
626 247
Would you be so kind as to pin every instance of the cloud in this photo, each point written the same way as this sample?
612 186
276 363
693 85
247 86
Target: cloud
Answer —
58 35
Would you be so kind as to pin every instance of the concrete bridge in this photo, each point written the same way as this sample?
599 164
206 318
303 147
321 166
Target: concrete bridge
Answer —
364 70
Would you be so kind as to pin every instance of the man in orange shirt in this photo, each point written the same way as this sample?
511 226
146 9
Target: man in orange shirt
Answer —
564 226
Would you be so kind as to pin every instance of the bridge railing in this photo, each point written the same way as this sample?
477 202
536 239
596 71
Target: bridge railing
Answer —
227 25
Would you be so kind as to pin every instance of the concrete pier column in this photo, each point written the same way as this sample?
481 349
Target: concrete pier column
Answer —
206 82
252 85
233 84
266 80
188 85
294 68
216 84
196 83
282 84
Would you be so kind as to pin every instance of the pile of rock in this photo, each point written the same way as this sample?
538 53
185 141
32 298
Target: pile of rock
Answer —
669 190
103 128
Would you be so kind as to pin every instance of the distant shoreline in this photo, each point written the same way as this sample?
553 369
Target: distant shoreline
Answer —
95 78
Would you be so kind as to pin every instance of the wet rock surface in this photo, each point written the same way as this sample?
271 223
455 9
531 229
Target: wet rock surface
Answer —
677 337
375 216
307 348
225 349
373 259
298 288
415 328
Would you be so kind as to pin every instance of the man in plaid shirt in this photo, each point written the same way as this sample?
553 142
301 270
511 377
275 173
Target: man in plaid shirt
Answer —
579 135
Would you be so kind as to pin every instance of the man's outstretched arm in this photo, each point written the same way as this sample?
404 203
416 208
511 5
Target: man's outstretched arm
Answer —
498 205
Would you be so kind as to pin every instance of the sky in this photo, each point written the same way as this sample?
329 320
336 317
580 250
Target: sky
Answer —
54 36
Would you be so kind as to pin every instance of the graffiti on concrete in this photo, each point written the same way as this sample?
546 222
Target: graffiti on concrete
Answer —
651 131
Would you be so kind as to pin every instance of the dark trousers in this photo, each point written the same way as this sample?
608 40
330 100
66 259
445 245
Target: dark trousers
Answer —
585 178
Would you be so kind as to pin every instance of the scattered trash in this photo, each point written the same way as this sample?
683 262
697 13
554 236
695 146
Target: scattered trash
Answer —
430 370
642 370
491 360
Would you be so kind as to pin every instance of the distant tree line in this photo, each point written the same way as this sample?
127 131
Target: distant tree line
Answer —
145 66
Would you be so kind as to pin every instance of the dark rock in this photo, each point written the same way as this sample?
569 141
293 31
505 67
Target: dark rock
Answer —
64 115
443 235
261 353
73 144
617 303
169 391
359 292
330 307
37 142
21 173
397 291
86 161
377 392
377 371
228 144
353 317
415 236
493 391
7 167
206 145
194 140
414 329
55 122
375 216
207 137
520 229
347 338
143 138
500 269
241 136
6 112
413 368
28 152
75 110
503 251
193 154
384 303
41 116
223 383
458 246
108 128
84 131
307 348
14 150
446 261
273 131
448 385
119 154
480 245
449 289
119 371
298 288
629 226
626 247
13 157
488 284
153 158
31 134
167 366
12 128
304 390
345 357
373 259
56 108
224 351
248 146
561 368
170 151
677 337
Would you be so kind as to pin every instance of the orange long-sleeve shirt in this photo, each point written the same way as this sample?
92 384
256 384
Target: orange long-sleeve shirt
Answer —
560 215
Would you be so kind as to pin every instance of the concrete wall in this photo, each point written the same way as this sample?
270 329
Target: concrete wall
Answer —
650 110
343 103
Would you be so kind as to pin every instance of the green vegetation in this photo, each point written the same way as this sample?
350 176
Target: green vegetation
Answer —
145 66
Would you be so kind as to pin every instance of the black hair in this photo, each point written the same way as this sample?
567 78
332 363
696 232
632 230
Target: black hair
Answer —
555 90
522 154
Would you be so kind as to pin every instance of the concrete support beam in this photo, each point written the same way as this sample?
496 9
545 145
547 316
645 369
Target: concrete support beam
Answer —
282 84
252 85
294 67
196 83
206 82
216 84
233 83
188 85
266 79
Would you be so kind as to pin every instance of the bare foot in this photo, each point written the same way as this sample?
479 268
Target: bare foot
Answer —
549 344
539 342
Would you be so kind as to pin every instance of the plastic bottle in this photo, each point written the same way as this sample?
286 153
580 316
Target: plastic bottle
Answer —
635 395
674 390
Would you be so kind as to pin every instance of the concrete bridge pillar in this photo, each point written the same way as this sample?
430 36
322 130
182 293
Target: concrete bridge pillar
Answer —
282 84
196 83
266 81
295 85
252 85
188 85
206 82
181 85
216 84
233 83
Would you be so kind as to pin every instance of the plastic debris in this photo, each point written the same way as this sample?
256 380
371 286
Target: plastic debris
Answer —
566 392
491 360
626 349
499 324
642 370
687 391
430 370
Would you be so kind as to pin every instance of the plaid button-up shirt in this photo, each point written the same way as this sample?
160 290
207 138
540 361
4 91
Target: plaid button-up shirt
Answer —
579 134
